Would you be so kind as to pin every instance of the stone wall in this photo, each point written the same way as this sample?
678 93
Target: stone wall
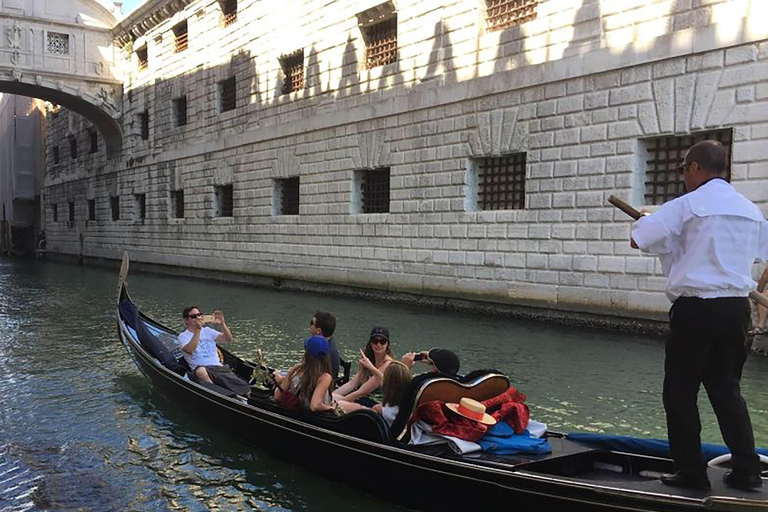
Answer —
579 89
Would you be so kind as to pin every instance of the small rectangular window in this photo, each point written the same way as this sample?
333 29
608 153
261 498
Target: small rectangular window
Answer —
227 94
501 14
91 209
56 156
55 211
177 204
381 43
144 124
501 182
114 206
73 147
287 196
374 190
71 211
180 111
663 180
93 136
224 204
57 43
140 206
143 58
180 37
228 12
293 71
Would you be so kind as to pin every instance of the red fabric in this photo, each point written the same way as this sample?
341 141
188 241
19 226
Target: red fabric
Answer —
510 407
448 423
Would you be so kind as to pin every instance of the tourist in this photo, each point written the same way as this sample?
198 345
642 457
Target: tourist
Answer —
762 311
707 240
440 360
199 346
323 324
379 352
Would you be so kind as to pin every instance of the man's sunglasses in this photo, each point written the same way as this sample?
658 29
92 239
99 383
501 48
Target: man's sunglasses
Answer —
194 316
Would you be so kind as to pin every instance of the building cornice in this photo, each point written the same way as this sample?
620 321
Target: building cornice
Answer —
145 18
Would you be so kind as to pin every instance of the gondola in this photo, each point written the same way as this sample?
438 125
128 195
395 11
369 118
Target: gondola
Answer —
580 472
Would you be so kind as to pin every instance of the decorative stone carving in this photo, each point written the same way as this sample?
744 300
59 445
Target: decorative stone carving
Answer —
14 43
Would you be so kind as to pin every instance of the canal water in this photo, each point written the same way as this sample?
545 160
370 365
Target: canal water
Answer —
80 428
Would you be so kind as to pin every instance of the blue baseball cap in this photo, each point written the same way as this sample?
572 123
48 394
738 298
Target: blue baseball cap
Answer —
317 346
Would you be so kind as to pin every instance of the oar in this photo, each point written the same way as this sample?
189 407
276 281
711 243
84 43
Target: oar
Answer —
626 208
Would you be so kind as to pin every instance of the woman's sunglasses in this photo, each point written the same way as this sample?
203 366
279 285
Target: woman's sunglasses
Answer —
378 341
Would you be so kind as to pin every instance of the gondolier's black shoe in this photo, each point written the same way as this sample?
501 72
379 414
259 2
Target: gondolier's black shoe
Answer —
742 482
686 481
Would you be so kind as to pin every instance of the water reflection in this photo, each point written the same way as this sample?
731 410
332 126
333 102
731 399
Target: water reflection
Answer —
80 428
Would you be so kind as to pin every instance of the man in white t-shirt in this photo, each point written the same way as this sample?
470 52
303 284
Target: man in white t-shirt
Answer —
198 344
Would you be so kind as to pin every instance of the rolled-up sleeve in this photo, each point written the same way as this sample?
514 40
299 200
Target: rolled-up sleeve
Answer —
656 233
762 241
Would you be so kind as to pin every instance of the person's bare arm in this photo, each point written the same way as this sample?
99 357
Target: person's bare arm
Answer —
367 387
316 403
225 335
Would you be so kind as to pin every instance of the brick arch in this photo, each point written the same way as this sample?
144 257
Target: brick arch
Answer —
97 110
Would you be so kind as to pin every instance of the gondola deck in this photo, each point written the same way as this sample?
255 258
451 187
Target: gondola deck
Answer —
573 474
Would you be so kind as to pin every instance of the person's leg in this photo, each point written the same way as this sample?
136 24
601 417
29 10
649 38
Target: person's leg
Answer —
202 374
722 378
686 350
223 376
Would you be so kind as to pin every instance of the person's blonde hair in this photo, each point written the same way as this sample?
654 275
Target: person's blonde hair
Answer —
397 378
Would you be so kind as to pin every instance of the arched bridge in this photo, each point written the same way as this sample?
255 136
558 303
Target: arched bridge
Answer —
62 51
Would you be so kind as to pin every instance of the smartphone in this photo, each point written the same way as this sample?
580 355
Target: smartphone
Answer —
209 319
419 357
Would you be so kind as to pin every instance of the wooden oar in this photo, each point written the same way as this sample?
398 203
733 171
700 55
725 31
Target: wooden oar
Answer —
626 208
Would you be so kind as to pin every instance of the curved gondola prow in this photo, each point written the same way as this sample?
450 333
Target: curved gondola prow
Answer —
123 276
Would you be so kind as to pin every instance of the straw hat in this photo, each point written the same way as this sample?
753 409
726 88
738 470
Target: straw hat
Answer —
473 410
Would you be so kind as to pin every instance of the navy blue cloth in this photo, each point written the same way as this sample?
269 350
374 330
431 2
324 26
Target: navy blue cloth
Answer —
501 439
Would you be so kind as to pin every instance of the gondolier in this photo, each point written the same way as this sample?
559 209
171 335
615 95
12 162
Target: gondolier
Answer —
707 241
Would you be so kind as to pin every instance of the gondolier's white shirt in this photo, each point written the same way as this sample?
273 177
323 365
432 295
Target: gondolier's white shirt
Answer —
707 241
205 354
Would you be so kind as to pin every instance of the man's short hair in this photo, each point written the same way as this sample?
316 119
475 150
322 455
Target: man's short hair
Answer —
710 155
326 322
187 310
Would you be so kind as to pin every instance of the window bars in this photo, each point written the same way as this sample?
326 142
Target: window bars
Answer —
289 196
91 209
177 204
228 12
381 43
227 94
73 147
55 211
180 37
293 69
180 111
56 157
141 206
144 124
71 211
224 201
374 190
142 56
114 206
501 182
501 14
663 180
57 43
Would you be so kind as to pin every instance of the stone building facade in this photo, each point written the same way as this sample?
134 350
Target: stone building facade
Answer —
462 149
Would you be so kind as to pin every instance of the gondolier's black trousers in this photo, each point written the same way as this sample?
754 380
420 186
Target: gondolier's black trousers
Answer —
707 344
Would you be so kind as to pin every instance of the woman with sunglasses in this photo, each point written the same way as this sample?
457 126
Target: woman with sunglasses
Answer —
379 352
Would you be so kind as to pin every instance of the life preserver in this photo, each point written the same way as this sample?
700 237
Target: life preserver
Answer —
720 460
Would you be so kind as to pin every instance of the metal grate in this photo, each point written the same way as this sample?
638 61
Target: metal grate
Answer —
501 182
374 191
142 55
114 206
180 37
57 43
91 209
180 111
93 136
55 210
71 211
228 12
140 201
144 122
293 68
224 201
56 155
289 196
227 94
177 204
73 147
501 14
381 43
663 180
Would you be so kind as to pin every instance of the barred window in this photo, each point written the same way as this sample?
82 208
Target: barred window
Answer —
293 69
227 94
140 206
91 209
55 211
73 147
71 211
374 190
501 182
224 201
142 56
57 43
287 196
501 14
228 12
56 156
664 155
177 204
114 206
180 111
381 43
180 37
93 137
144 123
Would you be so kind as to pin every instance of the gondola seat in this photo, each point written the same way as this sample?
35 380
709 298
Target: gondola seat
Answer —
479 385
